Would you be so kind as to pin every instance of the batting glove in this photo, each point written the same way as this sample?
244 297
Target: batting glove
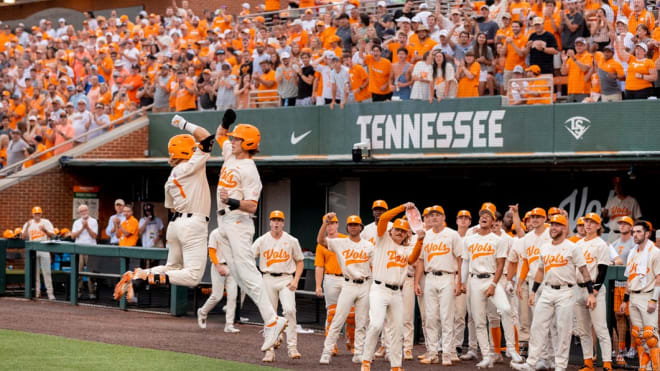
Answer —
179 122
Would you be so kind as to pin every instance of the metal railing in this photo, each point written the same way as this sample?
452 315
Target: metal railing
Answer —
263 98
8 169
534 90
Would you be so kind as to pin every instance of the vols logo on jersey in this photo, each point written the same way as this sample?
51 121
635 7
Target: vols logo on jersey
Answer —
275 256
633 271
433 249
227 179
554 261
397 261
355 256
532 254
478 250
587 256
618 211
36 234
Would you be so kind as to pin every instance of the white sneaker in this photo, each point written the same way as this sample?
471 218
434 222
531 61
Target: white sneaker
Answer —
294 353
515 357
357 359
454 357
269 357
521 366
487 362
231 329
380 352
51 297
325 359
272 333
542 364
92 297
470 355
201 318
497 357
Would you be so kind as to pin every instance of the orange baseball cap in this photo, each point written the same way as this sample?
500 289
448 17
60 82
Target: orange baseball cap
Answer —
426 211
627 220
18 231
538 211
379 203
593 217
354 219
260 19
488 207
464 213
559 219
8 233
401 224
37 210
527 215
580 221
276 214
534 68
435 208
554 210
334 219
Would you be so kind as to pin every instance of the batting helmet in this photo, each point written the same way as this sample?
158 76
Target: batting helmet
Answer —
18 231
65 232
249 134
37 210
8 234
181 146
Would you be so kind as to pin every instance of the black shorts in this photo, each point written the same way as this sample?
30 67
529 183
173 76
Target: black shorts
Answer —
381 97
639 94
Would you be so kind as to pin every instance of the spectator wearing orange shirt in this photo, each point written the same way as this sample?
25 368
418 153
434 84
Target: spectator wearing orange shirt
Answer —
638 15
63 131
184 93
128 230
359 81
610 72
379 75
133 82
641 71
577 65
537 91
266 81
516 51
468 76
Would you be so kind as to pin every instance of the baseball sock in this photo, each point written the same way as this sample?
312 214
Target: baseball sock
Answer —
496 333
515 334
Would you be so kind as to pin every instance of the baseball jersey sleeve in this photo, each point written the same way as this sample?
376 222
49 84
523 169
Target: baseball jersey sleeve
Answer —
578 256
612 252
604 254
514 252
190 167
457 242
655 261
319 257
49 226
226 149
256 246
251 185
297 253
636 211
501 250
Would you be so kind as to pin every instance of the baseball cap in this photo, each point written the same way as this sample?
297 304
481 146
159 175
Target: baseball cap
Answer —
37 210
32 118
276 214
285 55
246 6
489 208
434 208
559 219
643 46
534 68
537 20
484 7
506 15
403 19
328 54
455 11
354 219
554 210
379 203
61 20
423 6
627 220
609 47
381 3
623 20
119 201
464 213
580 221
581 40
401 224
220 51
538 211
422 27
518 69
444 33
333 220
593 217
206 70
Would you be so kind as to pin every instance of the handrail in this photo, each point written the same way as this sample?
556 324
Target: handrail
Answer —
35 155
263 98
523 84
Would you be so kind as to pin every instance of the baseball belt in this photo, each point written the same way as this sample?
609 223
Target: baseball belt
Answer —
391 287
355 281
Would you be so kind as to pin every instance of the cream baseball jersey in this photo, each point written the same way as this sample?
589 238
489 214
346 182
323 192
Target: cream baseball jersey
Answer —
643 265
481 252
214 243
595 252
239 177
187 189
508 241
277 255
371 230
560 262
531 249
618 207
390 261
34 229
440 250
354 257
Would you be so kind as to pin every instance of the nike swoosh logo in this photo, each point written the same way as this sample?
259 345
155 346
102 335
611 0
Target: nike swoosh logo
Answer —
295 139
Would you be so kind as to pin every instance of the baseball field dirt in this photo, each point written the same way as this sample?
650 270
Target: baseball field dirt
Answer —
178 334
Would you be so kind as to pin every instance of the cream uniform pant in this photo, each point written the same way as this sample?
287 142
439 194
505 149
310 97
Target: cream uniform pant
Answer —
331 288
524 313
639 316
186 259
408 330
439 297
352 294
548 351
218 285
236 232
596 318
559 304
479 308
385 303
276 289
461 311
43 262
508 320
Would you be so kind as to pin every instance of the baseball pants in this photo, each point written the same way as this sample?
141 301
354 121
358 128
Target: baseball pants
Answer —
43 266
439 294
598 319
524 313
408 313
643 320
479 308
548 351
460 314
186 259
276 289
351 295
507 320
420 304
385 303
560 305
331 288
82 262
218 285
236 232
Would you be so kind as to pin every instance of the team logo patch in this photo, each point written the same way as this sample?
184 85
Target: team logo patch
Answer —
577 126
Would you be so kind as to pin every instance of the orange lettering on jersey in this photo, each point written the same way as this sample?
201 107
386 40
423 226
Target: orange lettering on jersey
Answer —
227 179
587 256
36 234
433 249
554 261
273 256
395 260
478 250
618 211
176 183
633 271
532 254
354 256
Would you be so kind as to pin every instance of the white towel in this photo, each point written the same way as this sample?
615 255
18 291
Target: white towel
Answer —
642 261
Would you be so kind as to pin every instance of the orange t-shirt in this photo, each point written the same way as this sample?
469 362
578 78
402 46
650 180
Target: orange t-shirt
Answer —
379 74
542 87
636 66
644 17
136 81
272 5
358 76
133 227
421 47
393 47
576 77
519 10
184 99
513 59
470 87
270 76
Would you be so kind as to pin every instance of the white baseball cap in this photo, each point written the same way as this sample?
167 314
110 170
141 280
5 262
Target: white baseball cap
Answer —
32 118
61 20
381 3
518 69
403 19
350 7
296 22
444 33
285 55
328 54
423 6
246 5
417 19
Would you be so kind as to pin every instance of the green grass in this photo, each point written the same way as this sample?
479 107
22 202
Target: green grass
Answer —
28 351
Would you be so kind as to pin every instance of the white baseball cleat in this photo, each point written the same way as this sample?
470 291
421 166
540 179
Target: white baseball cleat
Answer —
231 329
357 359
408 355
325 359
51 297
470 355
454 357
269 357
487 362
201 318
542 364
515 357
497 358
380 352
521 366
272 333
294 353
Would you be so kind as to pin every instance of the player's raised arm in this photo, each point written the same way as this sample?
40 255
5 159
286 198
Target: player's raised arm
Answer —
198 132
388 215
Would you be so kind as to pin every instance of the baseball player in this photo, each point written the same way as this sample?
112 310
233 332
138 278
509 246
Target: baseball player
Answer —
239 188
579 228
619 205
188 195
483 260
354 256
40 229
597 256
642 293
521 310
390 262
560 260
441 256
329 281
622 247
281 261
463 221
218 285
420 282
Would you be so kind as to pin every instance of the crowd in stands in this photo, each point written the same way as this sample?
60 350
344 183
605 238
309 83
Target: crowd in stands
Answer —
59 82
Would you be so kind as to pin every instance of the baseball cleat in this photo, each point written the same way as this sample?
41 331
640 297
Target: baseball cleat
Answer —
380 352
542 364
279 341
421 356
521 366
470 355
231 329
486 362
497 358
515 357
408 355
122 287
366 366
272 332
430 359
446 360
325 359
357 359
294 354
201 318
607 366
335 350
269 357
51 297
454 357
620 361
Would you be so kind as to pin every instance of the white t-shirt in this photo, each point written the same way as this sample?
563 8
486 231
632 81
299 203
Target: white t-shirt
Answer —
341 79
79 121
440 250
152 230
84 237
277 255
354 258
560 262
239 177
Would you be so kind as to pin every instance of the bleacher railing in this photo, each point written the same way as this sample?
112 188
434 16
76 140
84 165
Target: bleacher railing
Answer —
535 90
263 98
